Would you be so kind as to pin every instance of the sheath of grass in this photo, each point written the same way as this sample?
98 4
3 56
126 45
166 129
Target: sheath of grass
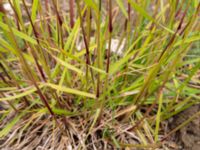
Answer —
92 67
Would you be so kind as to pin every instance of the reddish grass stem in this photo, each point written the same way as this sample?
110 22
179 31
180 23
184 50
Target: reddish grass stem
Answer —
85 41
110 28
47 14
71 12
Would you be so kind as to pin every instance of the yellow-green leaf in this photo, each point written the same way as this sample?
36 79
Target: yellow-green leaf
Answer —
18 33
69 90
123 9
67 65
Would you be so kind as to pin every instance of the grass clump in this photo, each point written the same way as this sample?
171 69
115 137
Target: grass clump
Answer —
96 74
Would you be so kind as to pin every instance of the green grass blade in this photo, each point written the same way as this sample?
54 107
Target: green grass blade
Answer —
123 9
69 90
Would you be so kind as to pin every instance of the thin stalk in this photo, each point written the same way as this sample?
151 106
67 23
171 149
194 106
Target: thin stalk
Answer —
47 15
86 42
38 42
57 13
158 115
127 32
88 34
110 28
129 11
71 12
174 36
98 23
89 21
18 21
29 16
59 24
127 21
100 1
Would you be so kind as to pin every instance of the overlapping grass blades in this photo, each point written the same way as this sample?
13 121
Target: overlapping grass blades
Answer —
62 61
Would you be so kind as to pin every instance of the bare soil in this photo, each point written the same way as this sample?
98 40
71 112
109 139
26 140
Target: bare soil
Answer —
188 137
